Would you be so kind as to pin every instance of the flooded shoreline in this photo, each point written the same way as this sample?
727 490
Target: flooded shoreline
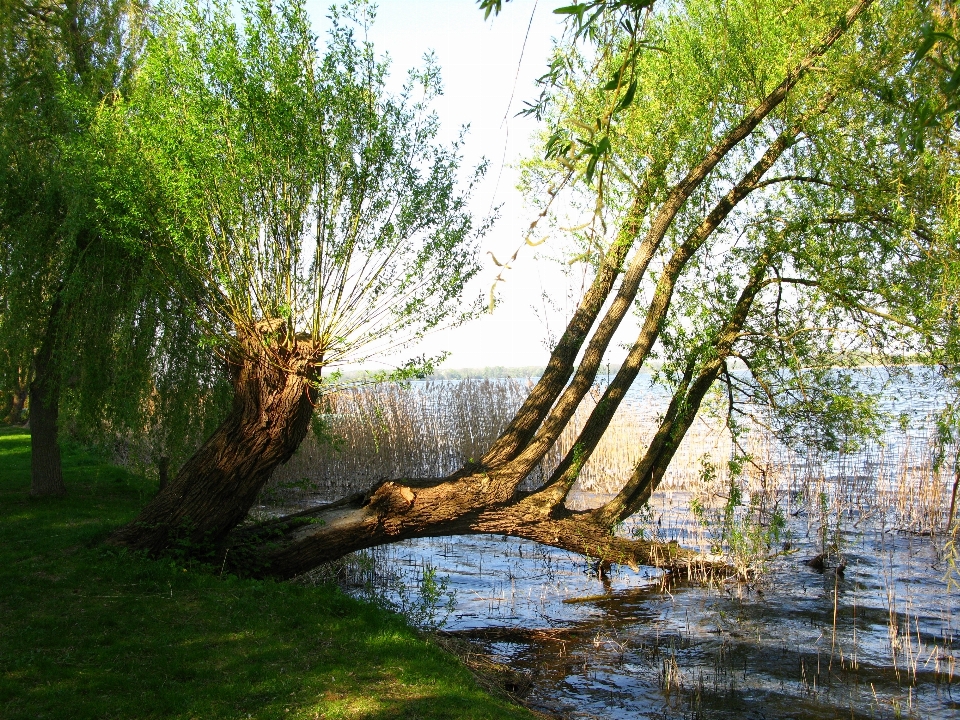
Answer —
877 640
838 604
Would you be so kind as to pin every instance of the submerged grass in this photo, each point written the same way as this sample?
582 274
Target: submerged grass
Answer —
88 632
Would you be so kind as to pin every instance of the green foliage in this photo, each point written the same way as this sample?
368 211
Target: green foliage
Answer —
583 16
76 211
828 410
299 189
749 534
322 427
226 175
939 50
853 222
109 634
578 459
644 520
431 605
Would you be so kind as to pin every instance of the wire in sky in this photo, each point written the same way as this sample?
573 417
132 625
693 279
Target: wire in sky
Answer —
506 114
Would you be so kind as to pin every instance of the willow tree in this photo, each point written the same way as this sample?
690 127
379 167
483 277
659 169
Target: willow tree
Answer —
748 192
314 216
64 281
939 53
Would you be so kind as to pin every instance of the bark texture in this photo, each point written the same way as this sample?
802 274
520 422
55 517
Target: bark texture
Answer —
214 489
394 510
46 473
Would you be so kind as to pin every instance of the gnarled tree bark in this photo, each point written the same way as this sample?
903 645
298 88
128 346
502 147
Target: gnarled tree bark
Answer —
274 398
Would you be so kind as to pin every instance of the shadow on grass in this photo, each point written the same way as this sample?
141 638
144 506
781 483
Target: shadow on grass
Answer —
89 632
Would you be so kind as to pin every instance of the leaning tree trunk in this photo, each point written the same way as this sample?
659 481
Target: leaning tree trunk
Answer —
46 474
273 405
475 502
214 490
397 510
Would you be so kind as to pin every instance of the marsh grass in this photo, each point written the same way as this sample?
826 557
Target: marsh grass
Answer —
394 431
430 429
757 509
87 632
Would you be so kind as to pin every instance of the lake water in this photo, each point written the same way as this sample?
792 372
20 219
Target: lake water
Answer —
875 640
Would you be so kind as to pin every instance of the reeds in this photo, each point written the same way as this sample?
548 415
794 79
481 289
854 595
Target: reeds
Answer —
430 429
874 507
391 431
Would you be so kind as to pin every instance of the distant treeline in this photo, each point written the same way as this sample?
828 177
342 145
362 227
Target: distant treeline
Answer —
488 373
485 373
603 373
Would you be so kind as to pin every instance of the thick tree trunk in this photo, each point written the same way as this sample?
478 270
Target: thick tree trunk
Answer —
214 490
46 473
394 511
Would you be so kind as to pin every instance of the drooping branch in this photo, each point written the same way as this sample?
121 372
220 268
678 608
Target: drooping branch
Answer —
844 299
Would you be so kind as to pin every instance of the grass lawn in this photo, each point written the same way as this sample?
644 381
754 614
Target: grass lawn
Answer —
88 632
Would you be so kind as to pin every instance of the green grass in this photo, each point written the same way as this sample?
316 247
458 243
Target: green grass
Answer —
88 632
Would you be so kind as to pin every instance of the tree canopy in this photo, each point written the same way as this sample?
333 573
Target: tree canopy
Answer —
109 350
300 190
828 185
310 219
747 178
748 185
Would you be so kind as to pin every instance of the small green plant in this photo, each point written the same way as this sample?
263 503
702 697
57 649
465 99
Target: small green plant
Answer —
426 602
322 426
432 603
644 522
828 544
746 533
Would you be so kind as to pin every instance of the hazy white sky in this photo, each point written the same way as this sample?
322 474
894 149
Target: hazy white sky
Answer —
482 68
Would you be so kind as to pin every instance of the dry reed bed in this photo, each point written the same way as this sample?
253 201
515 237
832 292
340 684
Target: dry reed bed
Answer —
430 429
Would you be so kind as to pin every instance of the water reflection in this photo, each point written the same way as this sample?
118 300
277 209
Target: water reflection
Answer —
876 641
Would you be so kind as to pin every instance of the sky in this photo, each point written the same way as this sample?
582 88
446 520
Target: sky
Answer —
488 69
